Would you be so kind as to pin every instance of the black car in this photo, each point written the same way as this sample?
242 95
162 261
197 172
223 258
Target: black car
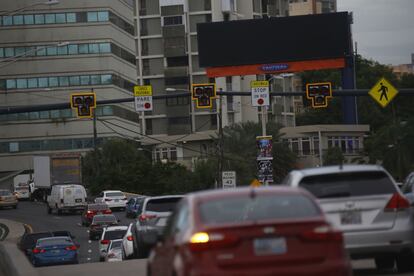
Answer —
134 207
28 240
99 222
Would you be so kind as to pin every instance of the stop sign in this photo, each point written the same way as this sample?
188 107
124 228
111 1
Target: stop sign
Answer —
260 101
147 105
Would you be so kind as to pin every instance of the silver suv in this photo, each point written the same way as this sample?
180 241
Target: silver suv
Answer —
364 202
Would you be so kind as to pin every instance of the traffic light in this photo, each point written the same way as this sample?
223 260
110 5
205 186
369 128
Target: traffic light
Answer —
204 94
84 103
319 93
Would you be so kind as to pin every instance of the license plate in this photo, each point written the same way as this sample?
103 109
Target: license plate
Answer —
351 217
56 251
270 246
78 200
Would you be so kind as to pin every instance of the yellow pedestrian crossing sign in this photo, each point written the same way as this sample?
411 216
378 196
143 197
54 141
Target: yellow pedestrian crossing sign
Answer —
383 92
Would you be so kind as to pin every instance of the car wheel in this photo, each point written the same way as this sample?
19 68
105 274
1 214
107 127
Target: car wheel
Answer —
15 206
59 212
404 262
385 262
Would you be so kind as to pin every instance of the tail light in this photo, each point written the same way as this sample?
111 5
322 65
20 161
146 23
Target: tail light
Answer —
71 248
130 238
104 241
203 241
37 250
108 199
144 217
322 233
106 212
111 255
90 214
397 203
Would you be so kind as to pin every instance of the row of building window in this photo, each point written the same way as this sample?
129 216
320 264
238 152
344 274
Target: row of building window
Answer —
66 18
71 49
310 145
159 154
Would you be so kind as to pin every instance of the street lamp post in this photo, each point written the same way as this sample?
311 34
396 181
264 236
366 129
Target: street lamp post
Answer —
47 3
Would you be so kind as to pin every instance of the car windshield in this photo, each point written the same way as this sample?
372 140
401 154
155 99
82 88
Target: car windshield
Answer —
21 188
5 193
116 244
54 241
162 204
348 184
97 207
101 219
261 207
114 234
114 194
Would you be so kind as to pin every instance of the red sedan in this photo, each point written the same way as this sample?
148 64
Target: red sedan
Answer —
265 231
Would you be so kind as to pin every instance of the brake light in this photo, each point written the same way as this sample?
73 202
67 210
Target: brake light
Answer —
322 233
104 241
130 238
37 250
397 203
71 248
203 241
144 217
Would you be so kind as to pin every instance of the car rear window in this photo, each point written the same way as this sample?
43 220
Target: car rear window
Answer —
348 184
55 241
162 204
5 193
116 244
258 208
114 234
104 219
113 194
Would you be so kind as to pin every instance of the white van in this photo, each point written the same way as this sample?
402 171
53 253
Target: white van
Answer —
67 197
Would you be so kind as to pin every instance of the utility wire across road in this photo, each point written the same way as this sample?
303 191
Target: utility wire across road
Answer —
45 107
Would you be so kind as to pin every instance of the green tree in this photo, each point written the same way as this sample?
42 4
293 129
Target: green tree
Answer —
333 156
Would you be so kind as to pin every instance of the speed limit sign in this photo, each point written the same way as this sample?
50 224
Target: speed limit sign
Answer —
229 179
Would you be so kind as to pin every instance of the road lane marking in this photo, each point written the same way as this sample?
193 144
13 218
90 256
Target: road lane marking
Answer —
89 241
79 224
89 259
90 251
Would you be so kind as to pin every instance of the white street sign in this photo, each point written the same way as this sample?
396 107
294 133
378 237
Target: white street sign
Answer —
260 93
229 179
143 98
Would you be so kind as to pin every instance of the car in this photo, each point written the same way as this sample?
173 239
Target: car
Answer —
66 197
114 199
28 240
54 250
128 244
99 222
110 233
7 199
114 253
134 207
364 202
152 221
249 231
93 209
408 185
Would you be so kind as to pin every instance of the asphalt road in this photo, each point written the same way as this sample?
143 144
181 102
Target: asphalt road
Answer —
35 214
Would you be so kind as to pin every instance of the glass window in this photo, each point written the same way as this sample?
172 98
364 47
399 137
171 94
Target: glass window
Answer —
92 16
1 52
106 79
18 20
96 79
73 49
39 19
54 114
28 19
66 113
9 52
7 20
13 146
93 48
21 83
53 81
105 47
43 82
1 21
44 115
85 80
74 80
20 51
62 50
103 16
34 115
63 81
107 110
71 17
50 18
60 18
51 51
11 84
30 51
83 48
40 50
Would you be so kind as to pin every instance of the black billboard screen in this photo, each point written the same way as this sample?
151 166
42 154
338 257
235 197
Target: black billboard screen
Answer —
270 40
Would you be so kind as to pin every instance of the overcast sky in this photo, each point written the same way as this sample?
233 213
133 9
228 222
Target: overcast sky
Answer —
383 29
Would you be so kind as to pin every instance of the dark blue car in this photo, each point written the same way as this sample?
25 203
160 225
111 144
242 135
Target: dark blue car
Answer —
54 250
134 207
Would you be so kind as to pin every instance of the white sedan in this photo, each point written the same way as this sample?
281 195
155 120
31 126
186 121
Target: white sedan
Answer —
128 244
114 199
109 234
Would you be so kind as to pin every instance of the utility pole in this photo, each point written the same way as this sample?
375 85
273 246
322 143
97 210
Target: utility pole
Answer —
264 115
220 145
95 133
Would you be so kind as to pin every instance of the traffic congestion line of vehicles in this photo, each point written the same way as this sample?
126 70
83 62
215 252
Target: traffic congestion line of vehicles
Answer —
312 224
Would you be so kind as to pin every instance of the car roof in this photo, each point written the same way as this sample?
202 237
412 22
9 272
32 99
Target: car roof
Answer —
55 238
111 191
91 205
338 169
165 196
115 228
105 215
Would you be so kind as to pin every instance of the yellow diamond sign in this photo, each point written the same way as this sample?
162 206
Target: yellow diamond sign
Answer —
383 92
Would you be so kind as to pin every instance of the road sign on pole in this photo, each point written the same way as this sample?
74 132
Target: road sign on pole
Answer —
383 92
229 179
84 103
143 97
260 93
319 93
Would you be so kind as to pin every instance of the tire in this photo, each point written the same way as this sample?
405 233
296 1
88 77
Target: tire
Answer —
385 262
59 212
404 262
15 206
